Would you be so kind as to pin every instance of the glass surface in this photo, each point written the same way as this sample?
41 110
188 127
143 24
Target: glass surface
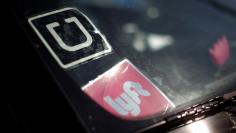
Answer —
184 48
187 48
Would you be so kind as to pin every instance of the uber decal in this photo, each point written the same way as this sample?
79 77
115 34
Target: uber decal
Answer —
69 36
126 93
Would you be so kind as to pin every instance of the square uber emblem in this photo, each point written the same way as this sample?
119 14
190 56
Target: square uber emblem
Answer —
70 36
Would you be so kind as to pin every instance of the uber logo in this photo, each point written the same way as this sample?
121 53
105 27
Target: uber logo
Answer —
69 36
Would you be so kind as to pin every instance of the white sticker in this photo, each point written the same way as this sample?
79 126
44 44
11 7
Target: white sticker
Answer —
70 36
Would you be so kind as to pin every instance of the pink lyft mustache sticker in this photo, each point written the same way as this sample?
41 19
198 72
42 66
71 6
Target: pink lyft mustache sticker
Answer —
126 93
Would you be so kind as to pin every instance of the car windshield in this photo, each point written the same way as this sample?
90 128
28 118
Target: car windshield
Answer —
134 59
187 48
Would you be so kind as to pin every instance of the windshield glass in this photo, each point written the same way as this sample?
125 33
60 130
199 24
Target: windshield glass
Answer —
187 48
133 59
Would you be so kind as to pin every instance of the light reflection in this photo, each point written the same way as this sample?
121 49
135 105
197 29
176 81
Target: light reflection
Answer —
139 42
158 42
113 73
154 42
143 41
198 127
130 28
125 70
153 13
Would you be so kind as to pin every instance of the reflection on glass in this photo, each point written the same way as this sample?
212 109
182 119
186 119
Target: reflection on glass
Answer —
158 42
153 13
199 127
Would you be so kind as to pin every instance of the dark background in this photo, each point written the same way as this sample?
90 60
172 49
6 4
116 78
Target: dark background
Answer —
30 101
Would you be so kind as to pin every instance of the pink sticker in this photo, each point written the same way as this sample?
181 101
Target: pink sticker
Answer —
127 93
220 52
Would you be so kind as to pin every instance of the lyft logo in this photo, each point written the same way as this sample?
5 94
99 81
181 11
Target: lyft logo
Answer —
129 100
126 93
